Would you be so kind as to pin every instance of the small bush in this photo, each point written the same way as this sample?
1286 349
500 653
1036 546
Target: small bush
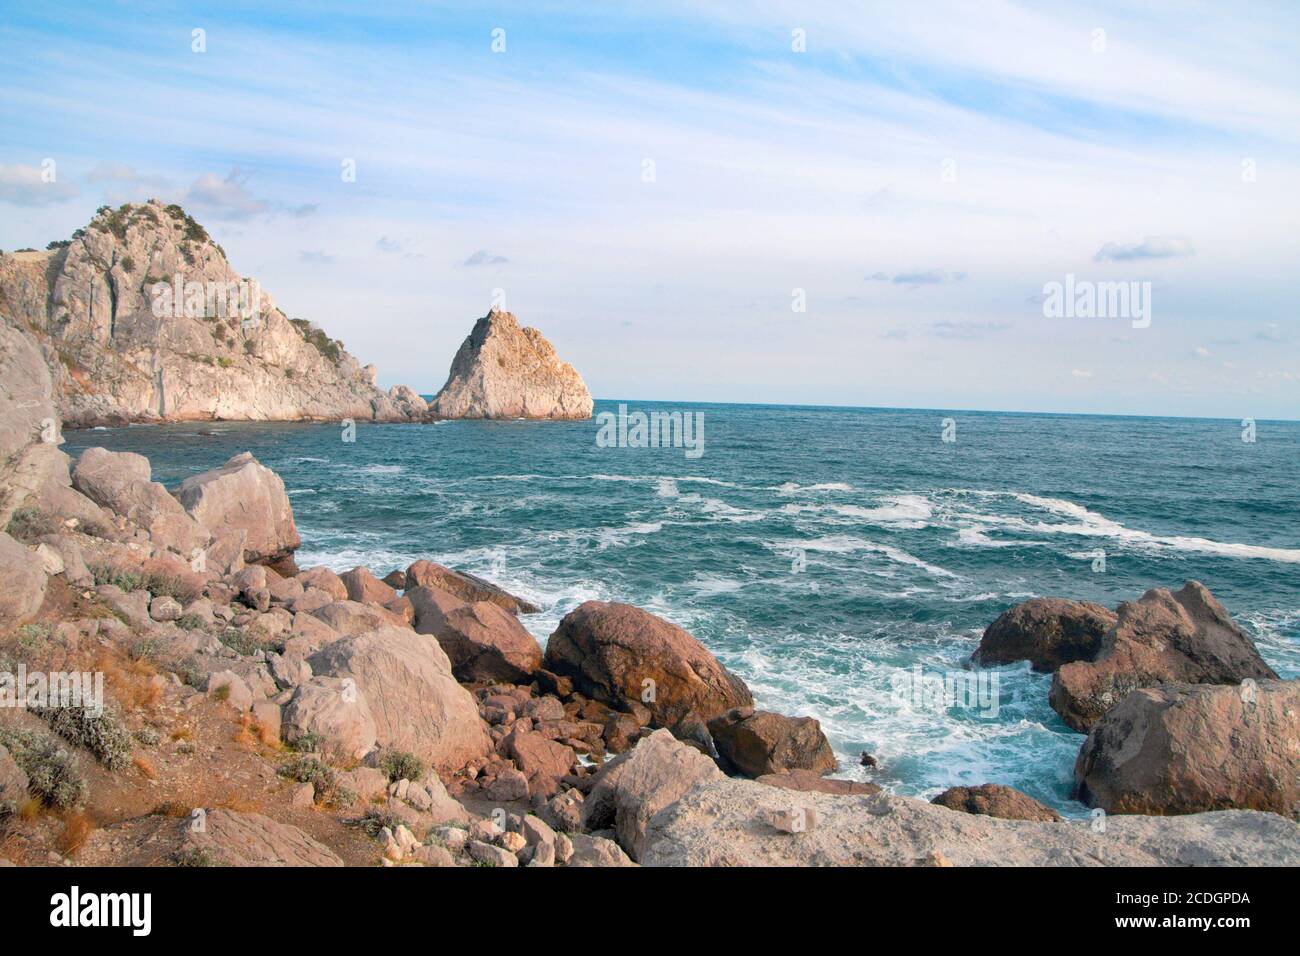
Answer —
194 856
148 737
52 773
30 524
225 362
308 743
374 820
400 765
324 780
124 578
191 622
241 642
104 734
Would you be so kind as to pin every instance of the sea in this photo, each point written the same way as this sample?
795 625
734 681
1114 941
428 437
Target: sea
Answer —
843 561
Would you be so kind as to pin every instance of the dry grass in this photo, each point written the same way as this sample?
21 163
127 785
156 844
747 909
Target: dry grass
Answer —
145 767
77 828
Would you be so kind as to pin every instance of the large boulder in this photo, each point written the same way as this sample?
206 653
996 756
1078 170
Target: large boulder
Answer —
634 786
728 823
244 495
1047 632
334 710
996 800
542 761
417 704
232 838
1163 637
365 588
350 617
121 481
504 371
22 582
483 641
623 656
1183 748
757 742
467 587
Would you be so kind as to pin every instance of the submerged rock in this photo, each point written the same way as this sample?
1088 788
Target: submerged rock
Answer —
504 371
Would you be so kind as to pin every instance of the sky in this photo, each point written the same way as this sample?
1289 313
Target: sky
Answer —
806 203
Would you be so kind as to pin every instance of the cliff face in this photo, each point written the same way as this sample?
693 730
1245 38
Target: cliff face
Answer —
504 371
141 318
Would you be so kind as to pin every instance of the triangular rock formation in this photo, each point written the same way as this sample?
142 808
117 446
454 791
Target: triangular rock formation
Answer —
505 371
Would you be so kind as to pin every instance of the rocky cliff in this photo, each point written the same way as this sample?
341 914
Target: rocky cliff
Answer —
504 371
140 317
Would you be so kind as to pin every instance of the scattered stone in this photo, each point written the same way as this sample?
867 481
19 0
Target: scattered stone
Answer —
995 800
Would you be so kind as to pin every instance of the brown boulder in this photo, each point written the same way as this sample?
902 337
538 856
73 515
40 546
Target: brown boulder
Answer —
754 743
1164 637
995 800
543 761
467 587
484 642
1047 632
364 588
625 657
324 579
349 617
1185 748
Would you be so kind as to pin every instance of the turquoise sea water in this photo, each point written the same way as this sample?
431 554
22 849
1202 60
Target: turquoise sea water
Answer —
822 553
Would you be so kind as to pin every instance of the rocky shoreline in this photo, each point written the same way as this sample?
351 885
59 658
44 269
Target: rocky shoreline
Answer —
261 714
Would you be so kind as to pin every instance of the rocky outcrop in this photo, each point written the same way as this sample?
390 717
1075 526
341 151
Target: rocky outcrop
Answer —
244 496
995 800
417 705
483 642
1181 748
632 788
1163 637
757 742
330 709
727 823
232 838
467 587
141 318
626 657
22 582
809 780
122 482
1047 632
504 371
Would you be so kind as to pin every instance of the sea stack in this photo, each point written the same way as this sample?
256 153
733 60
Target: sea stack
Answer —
504 371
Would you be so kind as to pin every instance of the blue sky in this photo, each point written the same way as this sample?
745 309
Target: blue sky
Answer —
920 171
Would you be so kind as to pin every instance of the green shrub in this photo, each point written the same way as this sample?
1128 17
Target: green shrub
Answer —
375 819
194 856
324 780
52 773
103 734
191 622
241 642
400 765
30 524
